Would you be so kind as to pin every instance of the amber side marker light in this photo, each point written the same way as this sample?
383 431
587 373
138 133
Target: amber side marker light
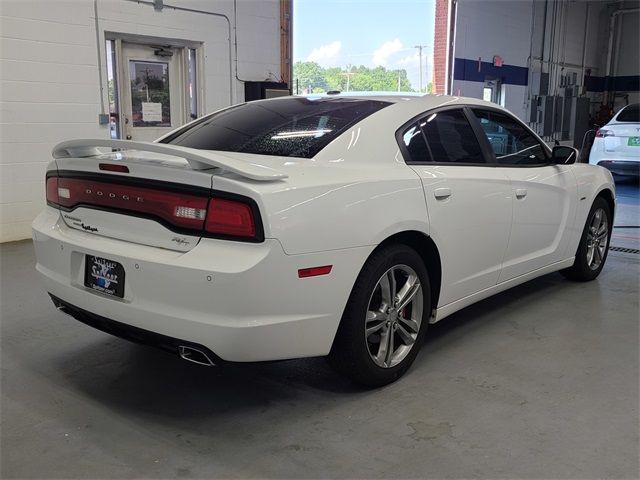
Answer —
314 271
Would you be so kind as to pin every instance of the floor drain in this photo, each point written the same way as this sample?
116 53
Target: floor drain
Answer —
625 250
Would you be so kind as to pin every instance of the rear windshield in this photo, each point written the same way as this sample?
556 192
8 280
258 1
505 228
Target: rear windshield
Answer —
290 127
630 114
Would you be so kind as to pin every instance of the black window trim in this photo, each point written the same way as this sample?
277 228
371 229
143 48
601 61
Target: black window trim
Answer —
487 152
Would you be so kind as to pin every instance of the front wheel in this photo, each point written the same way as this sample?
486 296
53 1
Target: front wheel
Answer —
385 319
594 244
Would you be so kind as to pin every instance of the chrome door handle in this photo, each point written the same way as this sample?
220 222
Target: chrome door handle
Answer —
521 192
442 193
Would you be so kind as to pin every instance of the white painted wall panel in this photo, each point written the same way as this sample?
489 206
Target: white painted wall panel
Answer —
49 79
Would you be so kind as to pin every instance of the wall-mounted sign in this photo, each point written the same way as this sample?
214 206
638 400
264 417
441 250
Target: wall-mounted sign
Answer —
151 112
497 61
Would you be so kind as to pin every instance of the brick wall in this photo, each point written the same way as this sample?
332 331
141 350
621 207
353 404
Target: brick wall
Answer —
440 39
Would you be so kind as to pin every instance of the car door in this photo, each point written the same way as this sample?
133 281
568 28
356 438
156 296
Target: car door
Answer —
468 203
544 194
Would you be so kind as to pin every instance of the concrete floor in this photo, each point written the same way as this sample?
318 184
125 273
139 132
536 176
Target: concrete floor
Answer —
538 382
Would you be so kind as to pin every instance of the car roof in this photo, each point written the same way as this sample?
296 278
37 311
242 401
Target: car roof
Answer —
414 101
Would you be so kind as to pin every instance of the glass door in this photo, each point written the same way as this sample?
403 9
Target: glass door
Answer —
152 99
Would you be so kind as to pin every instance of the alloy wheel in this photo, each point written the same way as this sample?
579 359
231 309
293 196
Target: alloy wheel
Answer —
394 315
597 239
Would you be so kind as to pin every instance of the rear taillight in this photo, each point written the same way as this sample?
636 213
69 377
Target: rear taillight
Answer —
601 132
230 217
196 213
52 190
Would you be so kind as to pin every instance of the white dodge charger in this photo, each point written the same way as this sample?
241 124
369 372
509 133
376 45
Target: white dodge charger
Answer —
309 226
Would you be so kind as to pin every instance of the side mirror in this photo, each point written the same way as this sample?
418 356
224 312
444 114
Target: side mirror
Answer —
564 155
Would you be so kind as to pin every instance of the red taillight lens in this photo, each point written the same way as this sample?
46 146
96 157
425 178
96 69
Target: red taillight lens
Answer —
182 210
52 190
230 217
196 213
601 132
110 167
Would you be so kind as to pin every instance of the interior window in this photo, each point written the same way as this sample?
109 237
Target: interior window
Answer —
451 138
416 146
510 141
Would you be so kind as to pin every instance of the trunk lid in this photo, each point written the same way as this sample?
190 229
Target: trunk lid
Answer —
145 193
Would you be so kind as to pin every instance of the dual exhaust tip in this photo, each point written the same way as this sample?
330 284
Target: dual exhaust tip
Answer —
188 353
194 355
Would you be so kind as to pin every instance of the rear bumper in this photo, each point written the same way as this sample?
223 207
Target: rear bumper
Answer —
622 167
128 332
243 302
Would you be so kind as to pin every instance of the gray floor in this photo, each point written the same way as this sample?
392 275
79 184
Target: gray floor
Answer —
537 382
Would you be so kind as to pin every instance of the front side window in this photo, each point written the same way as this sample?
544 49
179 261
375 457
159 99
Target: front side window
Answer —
451 138
510 141
291 127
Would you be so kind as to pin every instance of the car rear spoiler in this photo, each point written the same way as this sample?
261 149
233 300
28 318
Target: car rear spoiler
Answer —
197 159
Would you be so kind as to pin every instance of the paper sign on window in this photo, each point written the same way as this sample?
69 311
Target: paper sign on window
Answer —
151 112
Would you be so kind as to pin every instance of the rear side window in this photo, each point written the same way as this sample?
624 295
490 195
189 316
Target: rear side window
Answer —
416 146
451 138
630 113
291 127
511 142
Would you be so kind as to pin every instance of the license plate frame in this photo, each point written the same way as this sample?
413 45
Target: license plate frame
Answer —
104 276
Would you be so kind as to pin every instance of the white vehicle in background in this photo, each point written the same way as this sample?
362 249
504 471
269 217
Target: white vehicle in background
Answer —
312 226
617 144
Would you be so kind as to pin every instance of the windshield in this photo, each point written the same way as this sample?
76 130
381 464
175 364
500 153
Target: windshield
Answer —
290 127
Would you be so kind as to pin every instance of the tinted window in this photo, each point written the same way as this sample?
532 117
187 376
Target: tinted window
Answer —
451 138
416 146
291 127
511 142
630 114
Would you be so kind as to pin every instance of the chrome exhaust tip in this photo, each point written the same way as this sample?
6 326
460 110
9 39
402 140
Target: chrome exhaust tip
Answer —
194 355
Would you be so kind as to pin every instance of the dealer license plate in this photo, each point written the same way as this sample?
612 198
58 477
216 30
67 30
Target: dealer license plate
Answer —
634 142
103 275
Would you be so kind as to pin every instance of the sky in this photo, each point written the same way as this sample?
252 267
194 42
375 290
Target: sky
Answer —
337 33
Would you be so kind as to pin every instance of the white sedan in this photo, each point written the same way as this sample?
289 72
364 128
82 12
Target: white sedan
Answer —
312 226
617 144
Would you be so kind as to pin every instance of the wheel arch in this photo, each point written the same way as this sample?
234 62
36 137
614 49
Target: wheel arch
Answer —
607 195
428 251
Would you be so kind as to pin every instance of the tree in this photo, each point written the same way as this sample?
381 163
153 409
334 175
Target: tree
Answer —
310 77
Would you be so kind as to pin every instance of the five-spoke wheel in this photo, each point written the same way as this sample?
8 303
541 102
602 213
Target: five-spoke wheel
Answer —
394 316
385 319
594 243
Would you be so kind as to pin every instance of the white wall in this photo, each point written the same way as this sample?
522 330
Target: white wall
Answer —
494 27
557 37
627 60
49 82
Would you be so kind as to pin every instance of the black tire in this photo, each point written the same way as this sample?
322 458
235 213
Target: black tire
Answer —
350 354
582 270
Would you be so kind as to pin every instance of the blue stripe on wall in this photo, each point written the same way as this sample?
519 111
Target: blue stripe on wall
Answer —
623 83
466 69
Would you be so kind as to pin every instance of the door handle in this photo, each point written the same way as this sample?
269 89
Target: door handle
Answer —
442 193
521 192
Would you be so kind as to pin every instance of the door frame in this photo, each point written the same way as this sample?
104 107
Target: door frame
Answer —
179 44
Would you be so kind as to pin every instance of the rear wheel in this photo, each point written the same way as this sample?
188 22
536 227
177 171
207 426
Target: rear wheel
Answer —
594 244
386 318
